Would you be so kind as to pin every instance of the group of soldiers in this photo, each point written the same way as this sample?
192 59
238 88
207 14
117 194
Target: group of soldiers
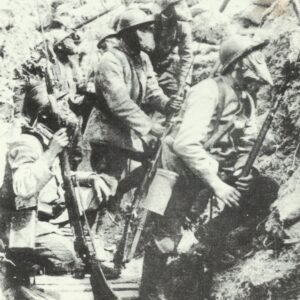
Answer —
143 75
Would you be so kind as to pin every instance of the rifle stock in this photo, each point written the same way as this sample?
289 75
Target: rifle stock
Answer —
142 190
100 287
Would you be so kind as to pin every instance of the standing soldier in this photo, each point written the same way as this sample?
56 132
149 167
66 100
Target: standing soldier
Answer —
173 35
64 69
105 40
210 106
126 88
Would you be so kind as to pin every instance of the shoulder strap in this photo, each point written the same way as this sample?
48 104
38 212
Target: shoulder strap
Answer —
33 132
221 104
221 100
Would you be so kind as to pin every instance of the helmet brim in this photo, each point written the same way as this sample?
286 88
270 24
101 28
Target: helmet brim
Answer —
238 56
148 20
101 41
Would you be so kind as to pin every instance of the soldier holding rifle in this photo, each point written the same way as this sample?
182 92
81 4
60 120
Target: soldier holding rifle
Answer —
212 141
37 185
127 92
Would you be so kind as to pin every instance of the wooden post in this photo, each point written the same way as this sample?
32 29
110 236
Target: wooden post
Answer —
224 5
296 8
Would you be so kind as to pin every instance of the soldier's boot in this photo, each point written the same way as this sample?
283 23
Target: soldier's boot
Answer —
153 268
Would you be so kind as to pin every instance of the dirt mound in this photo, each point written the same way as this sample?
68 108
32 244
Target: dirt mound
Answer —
266 275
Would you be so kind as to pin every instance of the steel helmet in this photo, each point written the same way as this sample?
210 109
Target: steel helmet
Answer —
165 3
235 48
61 21
133 18
104 34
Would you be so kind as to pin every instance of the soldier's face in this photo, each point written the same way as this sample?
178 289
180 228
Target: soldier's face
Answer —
145 37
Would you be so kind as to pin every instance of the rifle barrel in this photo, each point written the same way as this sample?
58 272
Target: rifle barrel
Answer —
100 287
93 18
224 5
87 22
137 235
260 139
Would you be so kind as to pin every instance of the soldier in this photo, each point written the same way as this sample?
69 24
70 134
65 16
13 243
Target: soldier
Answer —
105 40
64 69
210 106
173 35
126 88
37 182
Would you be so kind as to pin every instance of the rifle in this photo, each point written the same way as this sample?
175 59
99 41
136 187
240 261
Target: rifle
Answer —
290 72
141 191
224 5
79 26
100 288
296 8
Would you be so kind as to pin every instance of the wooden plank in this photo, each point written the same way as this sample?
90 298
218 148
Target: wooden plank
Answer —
85 288
79 289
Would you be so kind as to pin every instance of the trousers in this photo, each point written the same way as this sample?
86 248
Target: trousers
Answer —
53 252
190 192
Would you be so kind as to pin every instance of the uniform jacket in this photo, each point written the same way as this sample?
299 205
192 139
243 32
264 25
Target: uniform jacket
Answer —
201 118
37 184
33 181
171 34
125 87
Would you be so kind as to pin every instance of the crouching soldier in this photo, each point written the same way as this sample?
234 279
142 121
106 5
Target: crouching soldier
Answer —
203 151
37 186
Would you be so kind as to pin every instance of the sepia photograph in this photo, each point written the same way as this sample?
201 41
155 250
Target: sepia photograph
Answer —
149 149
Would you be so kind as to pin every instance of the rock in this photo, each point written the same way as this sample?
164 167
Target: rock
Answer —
6 19
260 277
254 14
212 27
288 204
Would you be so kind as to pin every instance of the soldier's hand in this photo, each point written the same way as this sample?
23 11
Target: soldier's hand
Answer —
58 142
157 130
174 104
226 193
101 188
243 183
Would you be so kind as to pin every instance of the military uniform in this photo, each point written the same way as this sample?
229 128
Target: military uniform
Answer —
37 185
209 107
126 89
173 54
